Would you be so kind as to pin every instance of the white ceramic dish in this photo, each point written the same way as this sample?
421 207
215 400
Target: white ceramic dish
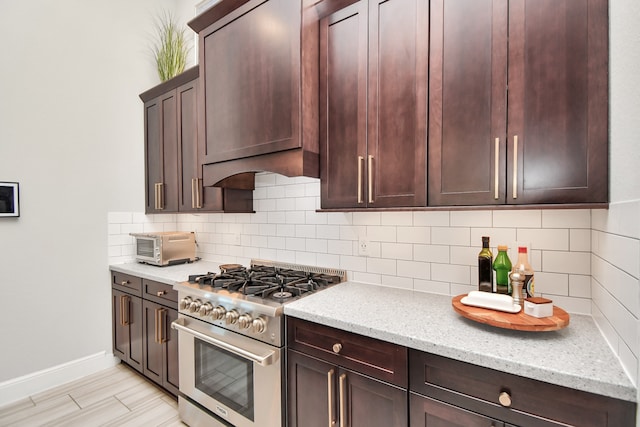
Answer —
491 301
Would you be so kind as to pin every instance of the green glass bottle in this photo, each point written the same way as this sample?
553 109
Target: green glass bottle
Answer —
502 267
485 275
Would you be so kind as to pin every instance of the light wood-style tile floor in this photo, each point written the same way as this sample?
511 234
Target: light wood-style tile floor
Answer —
117 396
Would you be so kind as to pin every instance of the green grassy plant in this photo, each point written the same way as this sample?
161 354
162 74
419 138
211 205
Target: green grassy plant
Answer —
171 48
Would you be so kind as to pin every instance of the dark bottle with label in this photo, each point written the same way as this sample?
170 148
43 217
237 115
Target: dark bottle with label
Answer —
485 270
524 268
502 267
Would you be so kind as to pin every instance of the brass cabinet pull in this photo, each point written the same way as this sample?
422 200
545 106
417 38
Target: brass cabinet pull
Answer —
160 195
496 173
124 310
360 162
156 196
156 335
332 422
337 348
515 167
370 178
343 402
193 193
160 327
198 193
160 293
124 283
163 326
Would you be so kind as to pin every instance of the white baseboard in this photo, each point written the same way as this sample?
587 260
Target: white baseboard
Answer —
27 385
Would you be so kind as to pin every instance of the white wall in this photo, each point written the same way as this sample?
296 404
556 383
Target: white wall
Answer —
616 236
71 133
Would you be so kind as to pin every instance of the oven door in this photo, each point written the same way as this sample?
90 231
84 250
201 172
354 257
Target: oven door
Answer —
235 377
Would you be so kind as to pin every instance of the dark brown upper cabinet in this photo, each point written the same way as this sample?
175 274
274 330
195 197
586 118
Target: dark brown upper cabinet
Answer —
373 100
172 161
259 94
518 102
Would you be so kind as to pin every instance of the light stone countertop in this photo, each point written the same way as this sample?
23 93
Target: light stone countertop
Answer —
576 356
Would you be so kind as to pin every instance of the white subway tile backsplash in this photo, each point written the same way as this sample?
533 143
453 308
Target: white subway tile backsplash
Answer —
397 282
580 240
397 251
551 283
431 219
414 269
459 236
517 219
285 230
545 239
381 266
431 253
566 218
413 235
340 247
397 218
431 286
367 218
296 217
586 261
381 233
580 286
621 251
451 273
498 236
566 262
471 219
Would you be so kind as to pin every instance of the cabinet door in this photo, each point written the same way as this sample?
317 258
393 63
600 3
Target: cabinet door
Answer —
396 172
127 328
311 388
467 102
153 348
367 402
558 101
161 152
343 106
171 379
250 71
193 196
426 412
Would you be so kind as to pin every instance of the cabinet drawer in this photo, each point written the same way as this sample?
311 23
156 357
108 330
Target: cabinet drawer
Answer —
379 359
161 293
533 403
126 283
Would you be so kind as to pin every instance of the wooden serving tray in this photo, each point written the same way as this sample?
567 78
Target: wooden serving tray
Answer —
518 321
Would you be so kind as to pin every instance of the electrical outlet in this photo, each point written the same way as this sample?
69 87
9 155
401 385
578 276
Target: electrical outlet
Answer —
363 246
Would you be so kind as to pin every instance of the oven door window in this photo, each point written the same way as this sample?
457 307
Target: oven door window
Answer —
225 377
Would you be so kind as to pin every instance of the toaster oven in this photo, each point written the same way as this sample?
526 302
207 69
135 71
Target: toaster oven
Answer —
165 248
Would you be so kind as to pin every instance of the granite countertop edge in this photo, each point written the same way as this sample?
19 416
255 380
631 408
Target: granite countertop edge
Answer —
576 357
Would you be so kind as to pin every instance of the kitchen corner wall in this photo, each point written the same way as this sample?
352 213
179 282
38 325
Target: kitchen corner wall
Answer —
586 261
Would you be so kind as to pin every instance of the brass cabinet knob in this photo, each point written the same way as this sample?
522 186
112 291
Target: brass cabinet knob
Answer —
337 347
505 399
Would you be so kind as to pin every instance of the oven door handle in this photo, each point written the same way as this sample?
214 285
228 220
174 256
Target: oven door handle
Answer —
265 359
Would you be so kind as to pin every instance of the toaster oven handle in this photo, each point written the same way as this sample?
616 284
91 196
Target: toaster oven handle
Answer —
261 359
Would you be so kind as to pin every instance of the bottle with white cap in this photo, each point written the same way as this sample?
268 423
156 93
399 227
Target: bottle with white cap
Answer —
523 267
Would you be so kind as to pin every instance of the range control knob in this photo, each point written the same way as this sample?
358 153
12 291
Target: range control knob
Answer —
231 317
205 309
195 306
259 325
218 313
185 303
244 321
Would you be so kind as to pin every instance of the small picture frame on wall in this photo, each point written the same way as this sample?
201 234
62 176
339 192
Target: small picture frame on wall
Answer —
9 199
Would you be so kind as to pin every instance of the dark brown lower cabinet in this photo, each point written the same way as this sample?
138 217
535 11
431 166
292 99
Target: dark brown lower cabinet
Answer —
142 336
453 393
127 328
322 394
160 345
427 412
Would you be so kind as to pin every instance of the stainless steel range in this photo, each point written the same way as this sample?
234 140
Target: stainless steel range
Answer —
232 338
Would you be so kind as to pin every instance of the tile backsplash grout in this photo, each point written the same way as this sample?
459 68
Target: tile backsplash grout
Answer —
572 250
